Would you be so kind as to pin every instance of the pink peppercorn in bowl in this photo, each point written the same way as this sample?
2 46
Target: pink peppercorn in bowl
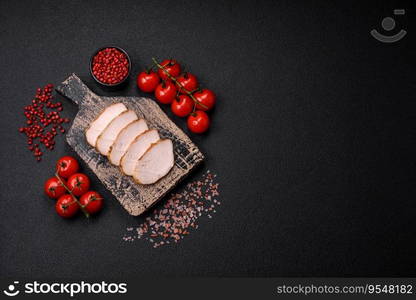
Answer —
110 66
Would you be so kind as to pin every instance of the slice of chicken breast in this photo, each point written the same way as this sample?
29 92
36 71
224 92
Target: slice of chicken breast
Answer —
110 133
102 121
124 139
155 163
136 149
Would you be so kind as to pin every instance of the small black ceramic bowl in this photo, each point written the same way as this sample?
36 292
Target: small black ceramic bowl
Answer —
115 85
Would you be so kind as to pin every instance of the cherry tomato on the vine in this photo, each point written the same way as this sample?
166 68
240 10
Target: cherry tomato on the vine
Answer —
66 206
67 166
165 92
171 66
92 201
188 81
54 188
207 98
78 183
147 81
182 106
198 122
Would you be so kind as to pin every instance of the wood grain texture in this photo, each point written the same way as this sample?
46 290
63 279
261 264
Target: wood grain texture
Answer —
135 198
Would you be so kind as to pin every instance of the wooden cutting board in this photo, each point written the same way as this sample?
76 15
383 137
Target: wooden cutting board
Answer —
135 198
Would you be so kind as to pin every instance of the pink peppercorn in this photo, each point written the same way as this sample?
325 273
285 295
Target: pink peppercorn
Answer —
38 121
110 66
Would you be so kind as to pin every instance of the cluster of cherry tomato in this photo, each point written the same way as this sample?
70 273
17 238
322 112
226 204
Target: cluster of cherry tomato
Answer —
67 185
181 91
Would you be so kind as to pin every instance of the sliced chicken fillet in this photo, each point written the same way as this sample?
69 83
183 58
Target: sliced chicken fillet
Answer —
110 133
102 121
124 139
136 149
155 163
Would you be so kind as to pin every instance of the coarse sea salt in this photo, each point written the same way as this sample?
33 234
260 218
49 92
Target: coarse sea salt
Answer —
178 216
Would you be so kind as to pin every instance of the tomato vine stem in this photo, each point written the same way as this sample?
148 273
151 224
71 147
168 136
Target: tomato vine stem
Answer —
149 69
178 83
73 196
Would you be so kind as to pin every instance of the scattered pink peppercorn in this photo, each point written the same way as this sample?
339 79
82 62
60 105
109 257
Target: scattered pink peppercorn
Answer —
38 119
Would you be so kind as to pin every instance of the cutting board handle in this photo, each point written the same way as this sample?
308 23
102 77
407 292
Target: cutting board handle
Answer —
74 89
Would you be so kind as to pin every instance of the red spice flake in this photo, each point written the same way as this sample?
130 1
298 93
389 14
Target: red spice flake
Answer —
42 113
110 66
179 215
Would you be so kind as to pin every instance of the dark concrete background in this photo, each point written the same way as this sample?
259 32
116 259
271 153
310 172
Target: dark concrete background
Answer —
312 138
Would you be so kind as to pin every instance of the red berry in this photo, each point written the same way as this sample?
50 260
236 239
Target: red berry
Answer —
171 66
207 98
182 106
66 206
188 81
54 188
198 122
165 92
92 201
147 81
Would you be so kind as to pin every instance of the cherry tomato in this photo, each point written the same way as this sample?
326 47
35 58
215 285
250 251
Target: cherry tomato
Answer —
188 81
171 66
78 183
198 122
92 201
148 81
67 166
66 206
54 188
207 98
182 106
165 92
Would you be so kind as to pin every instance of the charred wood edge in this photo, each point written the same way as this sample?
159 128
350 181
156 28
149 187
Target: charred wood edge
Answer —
74 89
